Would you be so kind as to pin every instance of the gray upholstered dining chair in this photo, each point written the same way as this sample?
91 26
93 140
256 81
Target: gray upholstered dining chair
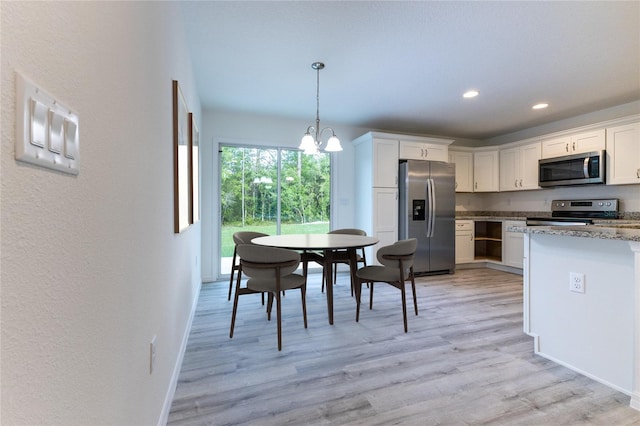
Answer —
342 255
396 268
270 270
240 237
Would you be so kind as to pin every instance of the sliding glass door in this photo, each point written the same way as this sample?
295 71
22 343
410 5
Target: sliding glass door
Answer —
273 191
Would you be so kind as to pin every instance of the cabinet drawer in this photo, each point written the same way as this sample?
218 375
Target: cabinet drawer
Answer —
464 225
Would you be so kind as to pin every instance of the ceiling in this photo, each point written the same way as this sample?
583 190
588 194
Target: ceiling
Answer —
403 66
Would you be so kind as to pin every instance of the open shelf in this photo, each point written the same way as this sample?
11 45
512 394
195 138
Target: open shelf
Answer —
488 241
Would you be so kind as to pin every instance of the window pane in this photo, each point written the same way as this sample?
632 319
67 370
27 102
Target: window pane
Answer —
249 194
305 192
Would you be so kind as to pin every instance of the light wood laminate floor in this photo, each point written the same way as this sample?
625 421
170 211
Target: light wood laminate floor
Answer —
464 361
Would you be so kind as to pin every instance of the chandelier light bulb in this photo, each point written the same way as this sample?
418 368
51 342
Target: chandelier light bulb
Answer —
307 142
333 144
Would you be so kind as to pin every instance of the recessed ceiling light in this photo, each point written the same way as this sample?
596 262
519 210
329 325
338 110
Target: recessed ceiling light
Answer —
470 94
540 106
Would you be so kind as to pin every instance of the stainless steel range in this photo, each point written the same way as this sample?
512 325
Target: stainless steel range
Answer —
577 212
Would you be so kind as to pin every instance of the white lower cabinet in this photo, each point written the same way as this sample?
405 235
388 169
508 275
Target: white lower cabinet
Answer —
513 244
489 241
464 241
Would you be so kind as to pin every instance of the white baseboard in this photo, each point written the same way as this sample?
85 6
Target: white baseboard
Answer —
584 373
171 391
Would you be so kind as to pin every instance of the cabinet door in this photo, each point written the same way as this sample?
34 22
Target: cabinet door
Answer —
556 147
464 241
510 169
411 150
385 219
385 163
423 151
529 166
513 245
435 152
485 171
464 170
623 154
588 141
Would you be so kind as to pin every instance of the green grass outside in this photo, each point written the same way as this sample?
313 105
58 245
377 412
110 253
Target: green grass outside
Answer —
269 228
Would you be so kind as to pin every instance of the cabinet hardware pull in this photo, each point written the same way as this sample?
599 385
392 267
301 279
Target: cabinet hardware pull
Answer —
471 239
516 183
520 183
566 147
476 185
574 146
638 173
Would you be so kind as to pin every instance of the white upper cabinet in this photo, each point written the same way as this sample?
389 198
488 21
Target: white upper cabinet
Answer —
593 140
485 171
519 167
623 154
385 163
464 169
431 151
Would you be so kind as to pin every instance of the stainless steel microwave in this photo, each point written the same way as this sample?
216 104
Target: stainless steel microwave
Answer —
575 169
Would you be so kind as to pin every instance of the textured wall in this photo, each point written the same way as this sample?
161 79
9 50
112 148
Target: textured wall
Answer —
91 269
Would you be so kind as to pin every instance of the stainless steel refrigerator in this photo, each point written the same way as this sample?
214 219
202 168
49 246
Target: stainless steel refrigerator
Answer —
427 212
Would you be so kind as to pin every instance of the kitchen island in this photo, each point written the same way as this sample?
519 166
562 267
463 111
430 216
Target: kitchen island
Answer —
582 300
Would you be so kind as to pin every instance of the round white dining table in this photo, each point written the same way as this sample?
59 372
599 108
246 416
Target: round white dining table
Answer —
333 246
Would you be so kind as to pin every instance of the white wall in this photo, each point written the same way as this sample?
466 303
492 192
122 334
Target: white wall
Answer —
91 268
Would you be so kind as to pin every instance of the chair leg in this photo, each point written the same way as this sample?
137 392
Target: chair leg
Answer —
235 305
404 308
233 269
278 313
323 281
269 305
371 296
303 291
415 300
358 294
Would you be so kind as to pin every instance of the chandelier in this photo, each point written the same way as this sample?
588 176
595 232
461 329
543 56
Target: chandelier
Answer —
311 142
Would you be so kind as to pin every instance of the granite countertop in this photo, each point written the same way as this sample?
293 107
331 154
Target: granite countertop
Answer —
492 217
626 228
627 231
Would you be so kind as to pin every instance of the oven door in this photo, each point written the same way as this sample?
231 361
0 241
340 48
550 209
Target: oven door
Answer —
577 169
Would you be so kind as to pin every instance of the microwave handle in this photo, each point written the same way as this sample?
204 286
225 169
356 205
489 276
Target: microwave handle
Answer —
585 167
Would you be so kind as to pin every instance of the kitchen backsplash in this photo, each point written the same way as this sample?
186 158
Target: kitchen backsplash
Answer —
540 200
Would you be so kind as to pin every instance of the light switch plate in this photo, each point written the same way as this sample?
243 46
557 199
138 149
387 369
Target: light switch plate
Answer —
46 130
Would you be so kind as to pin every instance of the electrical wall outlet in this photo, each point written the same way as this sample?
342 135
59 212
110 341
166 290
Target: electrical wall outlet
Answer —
152 355
576 282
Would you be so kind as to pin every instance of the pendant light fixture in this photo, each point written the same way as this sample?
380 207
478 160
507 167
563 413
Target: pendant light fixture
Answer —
311 142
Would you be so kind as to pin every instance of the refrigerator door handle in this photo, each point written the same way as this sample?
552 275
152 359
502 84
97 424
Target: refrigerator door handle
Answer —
429 212
427 223
432 207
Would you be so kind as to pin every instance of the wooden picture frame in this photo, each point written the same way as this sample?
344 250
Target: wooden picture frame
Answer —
181 190
194 166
